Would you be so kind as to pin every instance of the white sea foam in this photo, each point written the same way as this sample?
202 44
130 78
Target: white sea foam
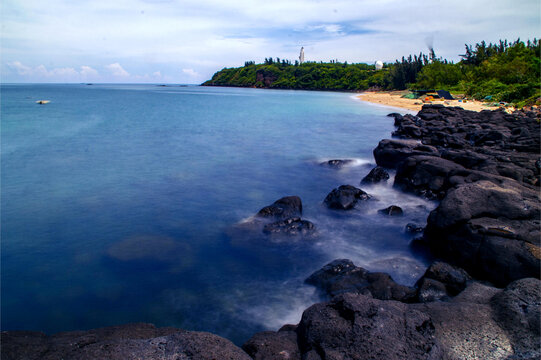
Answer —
354 162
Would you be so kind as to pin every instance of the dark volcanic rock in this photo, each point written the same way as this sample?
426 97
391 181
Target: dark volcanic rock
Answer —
426 176
517 311
466 330
345 197
392 210
341 276
491 231
430 290
290 227
270 345
336 164
454 278
355 326
277 223
376 175
412 228
488 221
286 207
390 153
490 141
132 341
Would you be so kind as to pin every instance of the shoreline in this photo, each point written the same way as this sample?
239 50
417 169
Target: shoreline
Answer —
395 99
442 316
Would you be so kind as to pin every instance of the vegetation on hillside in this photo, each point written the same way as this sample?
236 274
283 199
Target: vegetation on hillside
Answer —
505 71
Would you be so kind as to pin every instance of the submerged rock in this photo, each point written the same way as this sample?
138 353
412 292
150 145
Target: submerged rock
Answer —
376 175
412 228
345 197
392 210
336 164
290 227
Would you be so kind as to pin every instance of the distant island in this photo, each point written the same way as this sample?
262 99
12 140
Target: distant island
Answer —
506 71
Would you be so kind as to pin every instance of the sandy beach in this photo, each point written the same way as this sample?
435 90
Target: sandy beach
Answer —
394 98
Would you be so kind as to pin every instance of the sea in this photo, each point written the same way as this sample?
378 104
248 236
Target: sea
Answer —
117 204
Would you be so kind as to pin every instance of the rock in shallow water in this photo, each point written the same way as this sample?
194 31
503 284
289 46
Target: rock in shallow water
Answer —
286 207
376 175
278 223
345 197
290 227
341 276
412 228
392 210
336 164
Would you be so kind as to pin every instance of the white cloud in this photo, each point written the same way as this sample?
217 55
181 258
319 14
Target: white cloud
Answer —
190 72
88 71
117 70
65 72
207 35
20 68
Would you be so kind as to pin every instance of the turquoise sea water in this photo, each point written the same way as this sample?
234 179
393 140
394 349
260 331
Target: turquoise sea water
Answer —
116 202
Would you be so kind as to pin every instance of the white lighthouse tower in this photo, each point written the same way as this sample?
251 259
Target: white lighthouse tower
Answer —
301 56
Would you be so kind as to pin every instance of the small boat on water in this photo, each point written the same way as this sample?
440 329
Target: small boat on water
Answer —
41 102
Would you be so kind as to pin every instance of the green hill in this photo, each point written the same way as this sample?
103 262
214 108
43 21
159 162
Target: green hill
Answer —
308 76
505 71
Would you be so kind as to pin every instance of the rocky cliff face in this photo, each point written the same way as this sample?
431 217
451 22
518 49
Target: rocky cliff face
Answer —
265 77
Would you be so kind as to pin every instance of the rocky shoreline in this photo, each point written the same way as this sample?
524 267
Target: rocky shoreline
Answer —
480 300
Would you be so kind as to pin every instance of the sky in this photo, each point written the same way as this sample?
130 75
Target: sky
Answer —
186 41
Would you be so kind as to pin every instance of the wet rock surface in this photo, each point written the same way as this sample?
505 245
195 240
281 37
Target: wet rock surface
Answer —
342 276
376 175
279 222
290 227
345 197
286 207
392 210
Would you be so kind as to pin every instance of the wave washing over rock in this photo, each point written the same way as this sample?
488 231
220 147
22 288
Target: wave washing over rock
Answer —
480 299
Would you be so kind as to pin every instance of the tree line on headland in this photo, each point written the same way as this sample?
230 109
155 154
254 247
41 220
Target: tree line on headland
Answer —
505 71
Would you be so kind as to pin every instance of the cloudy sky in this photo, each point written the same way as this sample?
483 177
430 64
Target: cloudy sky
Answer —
186 41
